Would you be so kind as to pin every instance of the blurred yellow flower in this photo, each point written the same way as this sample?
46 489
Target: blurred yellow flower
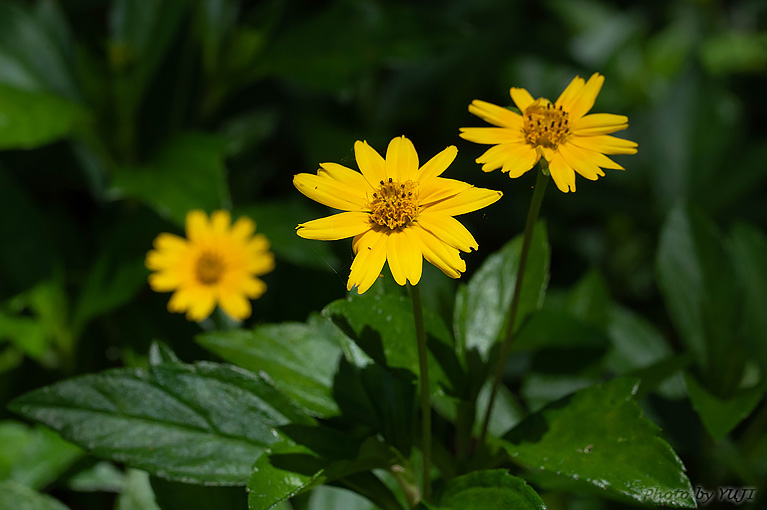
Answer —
217 263
561 132
396 212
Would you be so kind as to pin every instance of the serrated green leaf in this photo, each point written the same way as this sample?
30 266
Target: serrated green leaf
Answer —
490 490
187 173
482 305
384 328
33 119
720 416
14 496
599 437
34 457
204 423
302 359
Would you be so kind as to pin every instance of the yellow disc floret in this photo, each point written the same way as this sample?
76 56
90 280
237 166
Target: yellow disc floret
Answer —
545 124
395 204
209 268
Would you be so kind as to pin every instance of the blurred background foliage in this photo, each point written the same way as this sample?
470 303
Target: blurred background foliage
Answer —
117 117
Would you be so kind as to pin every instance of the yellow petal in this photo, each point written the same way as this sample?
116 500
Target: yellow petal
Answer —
234 304
439 254
465 202
436 165
599 124
352 179
519 157
371 164
492 136
338 226
261 263
330 192
367 265
167 243
605 144
243 228
439 188
585 100
449 230
404 257
495 115
571 92
201 305
220 221
401 160
562 173
580 162
164 281
521 98
196 225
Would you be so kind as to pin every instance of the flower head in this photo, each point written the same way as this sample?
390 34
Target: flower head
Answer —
218 262
395 211
568 139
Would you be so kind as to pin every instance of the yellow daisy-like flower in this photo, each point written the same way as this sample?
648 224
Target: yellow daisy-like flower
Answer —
561 132
395 211
217 263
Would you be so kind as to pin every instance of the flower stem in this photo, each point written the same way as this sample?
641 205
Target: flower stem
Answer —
532 216
415 298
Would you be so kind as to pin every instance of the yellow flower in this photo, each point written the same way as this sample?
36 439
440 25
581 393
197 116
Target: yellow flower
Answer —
561 132
396 212
217 263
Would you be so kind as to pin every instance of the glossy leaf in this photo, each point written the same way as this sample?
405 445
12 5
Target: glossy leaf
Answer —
301 359
188 173
203 423
482 305
14 496
33 119
599 437
490 490
719 415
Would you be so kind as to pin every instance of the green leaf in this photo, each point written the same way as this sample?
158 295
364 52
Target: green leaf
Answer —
301 359
278 221
34 457
27 333
720 416
490 490
101 476
14 496
204 423
383 326
136 492
188 173
482 305
700 290
33 119
748 246
160 353
589 299
599 437
182 496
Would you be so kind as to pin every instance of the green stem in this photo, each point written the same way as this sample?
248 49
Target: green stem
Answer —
415 298
532 217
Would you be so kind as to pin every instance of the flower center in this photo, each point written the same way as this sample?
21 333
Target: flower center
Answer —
395 204
209 268
546 124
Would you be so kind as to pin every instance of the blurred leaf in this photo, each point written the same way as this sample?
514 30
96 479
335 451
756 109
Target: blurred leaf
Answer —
160 353
735 51
32 119
599 436
720 416
35 50
490 490
553 329
136 492
589 300
325 497
700 290
188 173
170 420
182 496
383 326
27 333
14 496
244 132
102 476
301 359
482 305
34 457
539 390
216 18
278 221
506 413
748 246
